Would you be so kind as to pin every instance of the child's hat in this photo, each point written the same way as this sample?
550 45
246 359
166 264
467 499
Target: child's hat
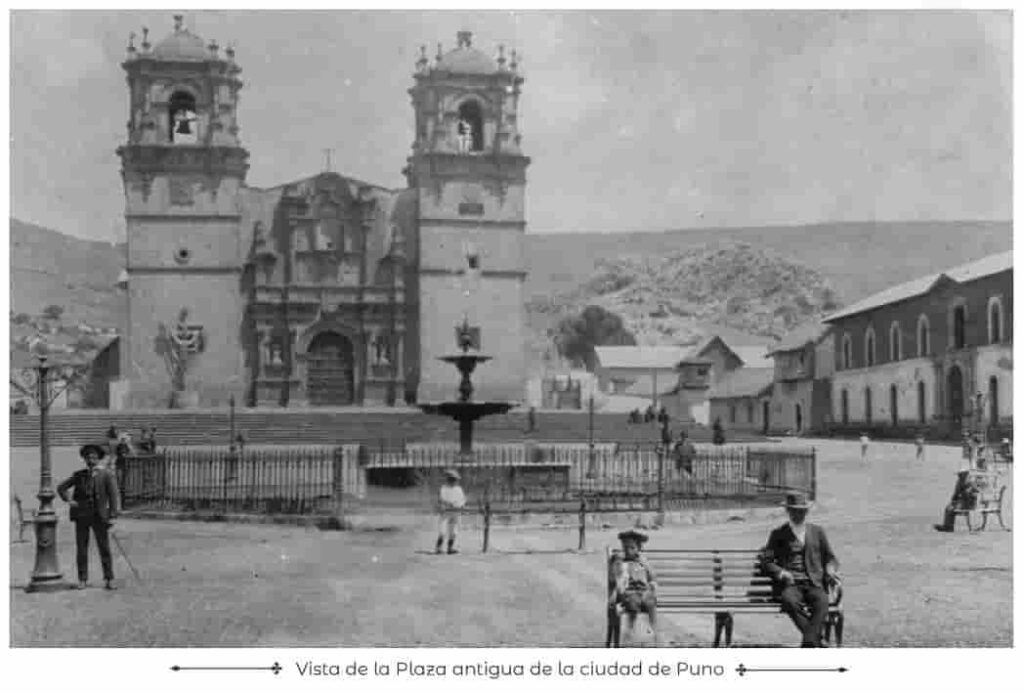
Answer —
637 536
451 474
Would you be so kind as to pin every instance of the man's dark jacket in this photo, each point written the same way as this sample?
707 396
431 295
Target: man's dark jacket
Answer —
108 500
817 555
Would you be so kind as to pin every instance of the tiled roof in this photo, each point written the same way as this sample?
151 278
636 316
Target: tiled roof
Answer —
984 267
640 357
743 382
811 332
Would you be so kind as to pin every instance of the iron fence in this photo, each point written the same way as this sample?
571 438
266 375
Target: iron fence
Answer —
607 477
306 480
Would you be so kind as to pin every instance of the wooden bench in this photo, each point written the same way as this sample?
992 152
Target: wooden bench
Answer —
722 582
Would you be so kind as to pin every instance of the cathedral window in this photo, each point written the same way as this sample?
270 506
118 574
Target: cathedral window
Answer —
470 129
182 119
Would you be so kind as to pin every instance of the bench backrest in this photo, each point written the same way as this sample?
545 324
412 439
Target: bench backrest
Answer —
709 577
988 483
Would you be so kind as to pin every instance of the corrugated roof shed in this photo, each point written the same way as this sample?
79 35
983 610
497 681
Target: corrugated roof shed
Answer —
992 264
743 382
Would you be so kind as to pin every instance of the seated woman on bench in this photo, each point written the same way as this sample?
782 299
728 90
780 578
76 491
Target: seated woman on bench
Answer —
634 584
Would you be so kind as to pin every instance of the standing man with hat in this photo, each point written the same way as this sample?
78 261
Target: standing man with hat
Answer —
450 504
95 502
801 564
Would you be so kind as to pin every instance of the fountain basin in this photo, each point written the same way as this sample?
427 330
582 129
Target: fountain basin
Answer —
467 411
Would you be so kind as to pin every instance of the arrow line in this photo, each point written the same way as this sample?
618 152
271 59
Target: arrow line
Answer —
741 669
276 668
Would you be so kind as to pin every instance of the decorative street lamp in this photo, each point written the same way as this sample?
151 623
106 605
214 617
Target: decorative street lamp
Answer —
43 383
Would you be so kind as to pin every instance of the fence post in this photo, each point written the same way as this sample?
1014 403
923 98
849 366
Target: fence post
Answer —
661 479
583 524
814 474
487 524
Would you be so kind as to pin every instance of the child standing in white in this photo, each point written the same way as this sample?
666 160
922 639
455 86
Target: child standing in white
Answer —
450 504
864 440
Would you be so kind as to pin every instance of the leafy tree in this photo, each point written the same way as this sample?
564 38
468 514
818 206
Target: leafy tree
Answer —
22 319
53 311
577 335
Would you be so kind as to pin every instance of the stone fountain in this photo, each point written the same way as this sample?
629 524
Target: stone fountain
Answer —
465 410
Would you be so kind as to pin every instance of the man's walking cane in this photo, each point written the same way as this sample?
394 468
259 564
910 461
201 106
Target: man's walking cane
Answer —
120 547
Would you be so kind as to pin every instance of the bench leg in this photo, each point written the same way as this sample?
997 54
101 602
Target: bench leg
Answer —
723 622
614 632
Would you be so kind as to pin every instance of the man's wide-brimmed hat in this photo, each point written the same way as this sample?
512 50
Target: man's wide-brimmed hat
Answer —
451 474
95 449
637 536
797 501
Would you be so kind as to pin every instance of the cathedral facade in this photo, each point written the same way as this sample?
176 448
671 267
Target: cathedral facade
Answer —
326 291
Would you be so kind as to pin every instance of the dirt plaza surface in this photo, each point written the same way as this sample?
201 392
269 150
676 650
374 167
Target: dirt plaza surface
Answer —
215 584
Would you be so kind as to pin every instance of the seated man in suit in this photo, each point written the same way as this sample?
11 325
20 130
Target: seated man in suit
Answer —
801 564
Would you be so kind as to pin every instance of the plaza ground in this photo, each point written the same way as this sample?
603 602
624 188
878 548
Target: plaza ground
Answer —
213 584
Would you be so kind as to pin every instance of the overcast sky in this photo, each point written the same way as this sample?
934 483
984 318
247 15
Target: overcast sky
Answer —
634 120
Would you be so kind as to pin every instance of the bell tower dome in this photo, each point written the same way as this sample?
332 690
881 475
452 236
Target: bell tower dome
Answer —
470 174
183 169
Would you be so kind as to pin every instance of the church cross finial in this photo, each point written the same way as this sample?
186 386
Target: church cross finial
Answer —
327 160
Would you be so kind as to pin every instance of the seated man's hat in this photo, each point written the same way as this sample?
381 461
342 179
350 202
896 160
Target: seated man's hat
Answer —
635 535
91 447
797 501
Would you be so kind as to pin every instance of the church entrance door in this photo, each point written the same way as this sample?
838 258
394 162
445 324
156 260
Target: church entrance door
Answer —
330 369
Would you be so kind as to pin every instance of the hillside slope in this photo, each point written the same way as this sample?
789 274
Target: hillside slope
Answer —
49 268
858 259
675 298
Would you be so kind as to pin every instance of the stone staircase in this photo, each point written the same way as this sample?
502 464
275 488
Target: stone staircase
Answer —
389 428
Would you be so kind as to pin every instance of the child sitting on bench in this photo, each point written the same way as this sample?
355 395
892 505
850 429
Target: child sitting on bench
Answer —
634 584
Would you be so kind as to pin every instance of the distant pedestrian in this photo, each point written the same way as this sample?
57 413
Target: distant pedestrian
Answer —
147 441
717 433
122 451
919 445
965 496
684 452
451 501
531 420
864 440
112 438
95 503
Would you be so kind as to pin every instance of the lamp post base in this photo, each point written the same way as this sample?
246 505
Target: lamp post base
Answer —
46 575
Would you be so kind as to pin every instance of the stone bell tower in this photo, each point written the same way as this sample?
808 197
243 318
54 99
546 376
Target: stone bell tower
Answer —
183 167
470 175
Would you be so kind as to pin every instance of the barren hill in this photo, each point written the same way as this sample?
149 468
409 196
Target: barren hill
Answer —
49 268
